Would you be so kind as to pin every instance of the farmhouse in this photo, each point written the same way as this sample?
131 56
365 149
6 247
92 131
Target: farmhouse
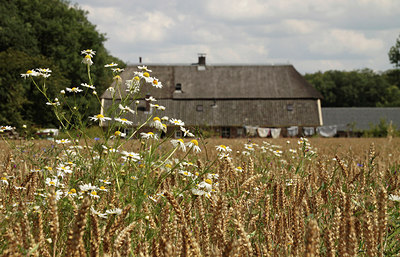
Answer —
227 98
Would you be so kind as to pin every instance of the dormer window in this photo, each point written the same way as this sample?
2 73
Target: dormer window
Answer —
289 107
178 87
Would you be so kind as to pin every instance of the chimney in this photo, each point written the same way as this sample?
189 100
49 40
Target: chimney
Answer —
202 59
140 59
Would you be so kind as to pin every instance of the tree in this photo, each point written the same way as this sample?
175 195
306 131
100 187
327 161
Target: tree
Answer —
394 54
36 33
361 88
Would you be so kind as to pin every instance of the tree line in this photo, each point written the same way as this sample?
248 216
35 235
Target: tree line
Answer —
46 34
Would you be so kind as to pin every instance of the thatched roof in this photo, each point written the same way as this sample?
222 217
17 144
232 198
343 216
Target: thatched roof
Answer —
226 82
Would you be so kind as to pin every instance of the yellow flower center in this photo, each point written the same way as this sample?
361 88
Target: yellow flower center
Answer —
156 119
194 141
52 183
73 191
155 82
150 133
117 133
3 178
88 57
239 168
94 193
146 74
208 181
99 116
223 146
168 166
102 188
181 140
136 78
29 72
73 89
123 119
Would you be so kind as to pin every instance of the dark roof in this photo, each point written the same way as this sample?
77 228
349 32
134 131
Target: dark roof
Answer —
230 112
226 82
361 117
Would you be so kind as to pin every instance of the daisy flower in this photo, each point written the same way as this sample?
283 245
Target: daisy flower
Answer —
130 156
99 214
30 73
87 60
179 143
177 122
119 134
186 132
158 107
126 109
150 99
185 173
111 65
117 70
124 121
87 187
65 169
53 182
156 83
72 192
89 52
4 181
239 169
223 148
99 117
105 181
93 194
156 123
63 141
116 211
74 90
148 135
194 145
144 68
88 86
203 188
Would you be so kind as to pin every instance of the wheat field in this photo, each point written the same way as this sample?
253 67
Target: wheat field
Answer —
283 197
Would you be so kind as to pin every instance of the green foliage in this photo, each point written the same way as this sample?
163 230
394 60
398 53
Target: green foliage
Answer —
20 102
49 33
361 88
394 54
383 129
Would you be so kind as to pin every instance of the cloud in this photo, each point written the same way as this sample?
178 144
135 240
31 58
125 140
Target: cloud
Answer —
316 34
339 41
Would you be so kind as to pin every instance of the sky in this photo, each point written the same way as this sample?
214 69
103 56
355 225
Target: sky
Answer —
312 35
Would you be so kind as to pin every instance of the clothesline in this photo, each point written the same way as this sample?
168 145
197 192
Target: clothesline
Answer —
324 131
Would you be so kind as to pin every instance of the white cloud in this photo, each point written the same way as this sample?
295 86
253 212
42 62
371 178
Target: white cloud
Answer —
317 34
339 41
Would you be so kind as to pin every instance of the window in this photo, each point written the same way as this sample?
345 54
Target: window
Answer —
178 87
199 108
289 107
178 134
226 132
239 132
